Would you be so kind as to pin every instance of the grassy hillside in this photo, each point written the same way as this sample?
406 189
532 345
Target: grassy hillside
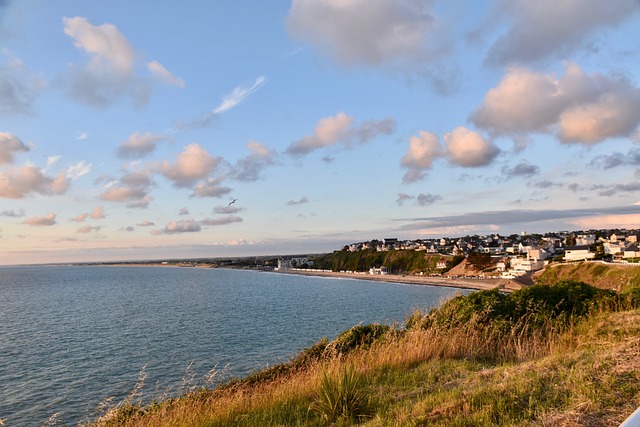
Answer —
605 276
561 355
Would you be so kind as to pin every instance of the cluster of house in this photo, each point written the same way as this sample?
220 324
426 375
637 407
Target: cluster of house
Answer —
294 262
522 254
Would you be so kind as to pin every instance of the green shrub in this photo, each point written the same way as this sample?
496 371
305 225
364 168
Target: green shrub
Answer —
359 336
344 397
528 307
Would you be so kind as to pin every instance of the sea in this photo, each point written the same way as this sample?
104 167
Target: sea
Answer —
77 339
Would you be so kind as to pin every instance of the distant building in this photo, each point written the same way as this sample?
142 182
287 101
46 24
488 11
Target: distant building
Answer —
578 253
293 262
378 271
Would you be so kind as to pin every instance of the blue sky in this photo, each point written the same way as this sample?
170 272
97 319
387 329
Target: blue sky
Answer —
127 128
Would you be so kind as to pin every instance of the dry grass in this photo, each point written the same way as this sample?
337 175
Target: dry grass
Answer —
474 374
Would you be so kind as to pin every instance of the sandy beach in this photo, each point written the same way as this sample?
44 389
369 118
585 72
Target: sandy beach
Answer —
456 282
505 285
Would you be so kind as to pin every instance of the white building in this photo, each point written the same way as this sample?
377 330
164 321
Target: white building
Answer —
578 253
293 262
378 271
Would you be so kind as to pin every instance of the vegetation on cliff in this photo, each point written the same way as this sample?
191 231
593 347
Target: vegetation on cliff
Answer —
562 354
606 276
396 261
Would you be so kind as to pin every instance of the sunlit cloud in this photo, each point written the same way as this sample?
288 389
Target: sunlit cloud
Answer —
47 220
194 163
85 229
132 187
18 182
629 221
139 145
109 75
178 227
250 167
577 107
10 145
340 129
211 187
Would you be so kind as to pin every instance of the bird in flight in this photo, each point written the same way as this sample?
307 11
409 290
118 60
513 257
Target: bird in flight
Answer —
232 202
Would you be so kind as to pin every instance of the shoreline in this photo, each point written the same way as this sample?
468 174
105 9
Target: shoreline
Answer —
504 285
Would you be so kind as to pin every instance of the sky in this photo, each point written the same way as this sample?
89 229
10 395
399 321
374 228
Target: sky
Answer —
142 130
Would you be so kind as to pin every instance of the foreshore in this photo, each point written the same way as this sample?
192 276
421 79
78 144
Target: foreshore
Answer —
480 284
454 282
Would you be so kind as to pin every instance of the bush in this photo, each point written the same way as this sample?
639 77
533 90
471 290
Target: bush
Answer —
533 306
357 337
342 398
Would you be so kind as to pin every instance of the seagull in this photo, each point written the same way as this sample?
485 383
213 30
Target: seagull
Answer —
232 202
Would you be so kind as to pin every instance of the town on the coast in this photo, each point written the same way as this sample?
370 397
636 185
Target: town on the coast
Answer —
509 257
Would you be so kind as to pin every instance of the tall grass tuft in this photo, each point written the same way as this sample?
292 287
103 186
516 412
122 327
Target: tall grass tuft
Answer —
342 398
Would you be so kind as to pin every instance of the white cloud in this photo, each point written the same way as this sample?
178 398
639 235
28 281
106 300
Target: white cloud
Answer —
79 218
340 129
133 187
192 164
462 147
85 229
79 169
47 220
367 32
421 153
238 95
249 168
19 86
577 108
145 223
18 182
232 100
210 187
110 72
97 213
52 160
10 145
138 145
540 29
159 70
184 211
177 227
468 148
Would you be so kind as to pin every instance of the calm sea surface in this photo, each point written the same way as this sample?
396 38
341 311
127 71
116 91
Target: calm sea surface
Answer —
72 337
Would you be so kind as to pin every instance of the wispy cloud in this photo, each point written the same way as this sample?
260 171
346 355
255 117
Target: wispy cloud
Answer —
232 100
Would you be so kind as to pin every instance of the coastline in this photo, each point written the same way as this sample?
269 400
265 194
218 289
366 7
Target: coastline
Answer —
505 285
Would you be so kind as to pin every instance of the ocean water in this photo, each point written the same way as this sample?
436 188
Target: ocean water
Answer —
73 337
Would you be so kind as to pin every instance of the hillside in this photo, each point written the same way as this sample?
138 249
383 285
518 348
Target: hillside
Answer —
604 276
561 355
396 261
